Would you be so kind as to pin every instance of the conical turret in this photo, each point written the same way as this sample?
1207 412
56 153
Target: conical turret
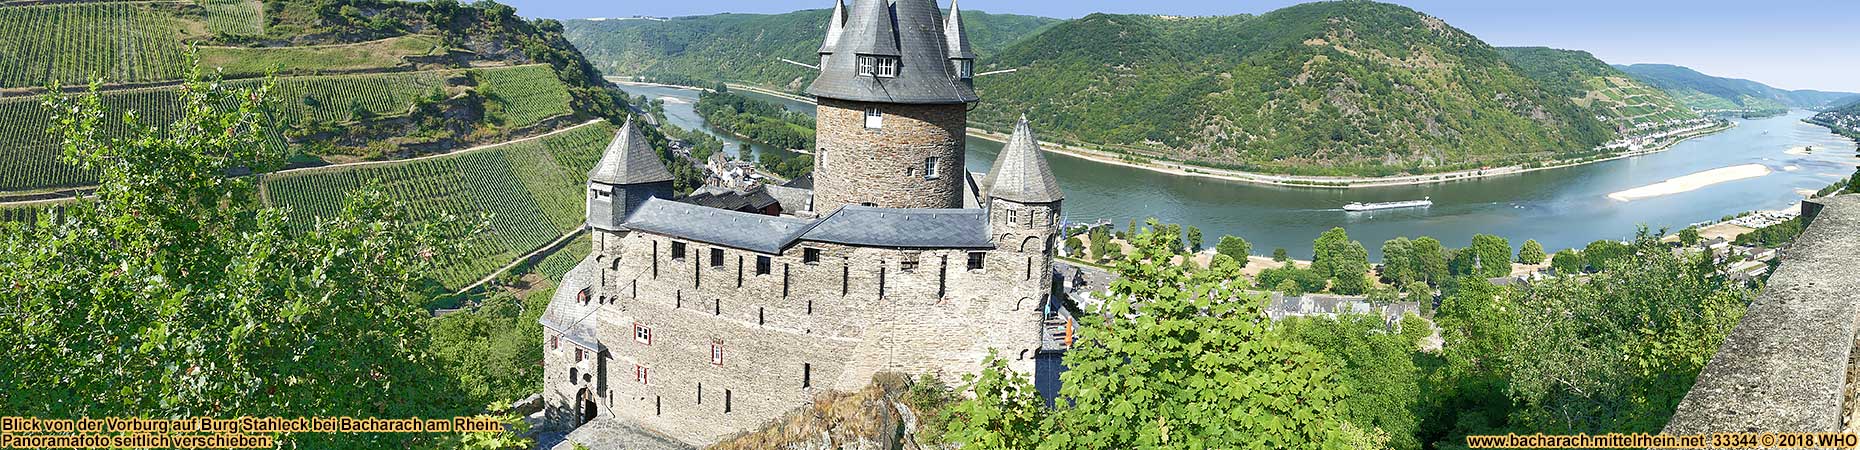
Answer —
836 25
628 173
1020 173
958 39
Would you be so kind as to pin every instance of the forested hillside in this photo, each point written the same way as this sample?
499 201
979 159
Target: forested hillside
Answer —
1705 92
1603 91
746 47
1350 87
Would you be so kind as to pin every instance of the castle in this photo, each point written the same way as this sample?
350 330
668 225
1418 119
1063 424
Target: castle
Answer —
699 322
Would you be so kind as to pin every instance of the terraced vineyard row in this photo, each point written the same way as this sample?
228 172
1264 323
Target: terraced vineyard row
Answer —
339 98
522 95
31 158
235 17
70 43
520 192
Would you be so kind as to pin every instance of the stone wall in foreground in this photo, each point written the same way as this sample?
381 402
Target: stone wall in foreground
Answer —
1789 365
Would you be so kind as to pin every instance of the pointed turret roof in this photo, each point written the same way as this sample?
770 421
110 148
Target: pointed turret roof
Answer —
836 26
909 30
629 159
1020 173
958 39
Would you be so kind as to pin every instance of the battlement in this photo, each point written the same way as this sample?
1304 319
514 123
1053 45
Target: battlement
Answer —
1789 366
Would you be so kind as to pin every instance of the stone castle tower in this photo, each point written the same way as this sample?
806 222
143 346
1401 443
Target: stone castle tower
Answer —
894 92
698 322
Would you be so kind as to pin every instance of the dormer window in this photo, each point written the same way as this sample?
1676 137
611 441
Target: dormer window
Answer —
878 66
965 68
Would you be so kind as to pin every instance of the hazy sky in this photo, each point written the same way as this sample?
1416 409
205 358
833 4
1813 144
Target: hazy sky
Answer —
1784 43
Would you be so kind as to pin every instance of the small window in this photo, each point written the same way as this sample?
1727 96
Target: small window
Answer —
975 260
555 342
582 297
716 257
642 334
716 354
930 166
887 67
642 374
726 401
868 65
678 251
965 68
874 118
810 256
908 264
578 355
807 375
762 265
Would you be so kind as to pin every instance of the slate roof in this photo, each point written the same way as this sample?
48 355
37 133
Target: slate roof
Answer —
629 159
903 228
724 198
913 31
792 199
566 314
836 25
1020 173
748 231
955 37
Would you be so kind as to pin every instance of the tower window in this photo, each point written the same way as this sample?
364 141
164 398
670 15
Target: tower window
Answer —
642 374
975 260
930 166
642 334
716 257
810 256
868 65
762 265
678 251
965 68
874 119
716 352
887 67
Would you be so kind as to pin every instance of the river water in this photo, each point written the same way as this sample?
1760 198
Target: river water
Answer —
1560 208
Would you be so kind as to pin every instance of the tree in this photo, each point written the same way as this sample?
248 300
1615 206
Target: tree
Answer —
207 302
1194 239
1532 253
1398 264
1491 256
1350 269
1599 254
1566 262
1327 243
1289 286
1378 365
1005 413
1234 247
1073 246
1430 260
1280 255
1689 236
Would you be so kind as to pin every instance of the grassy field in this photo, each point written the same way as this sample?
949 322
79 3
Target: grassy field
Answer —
71 43
524 188
522 95
243 62
235 17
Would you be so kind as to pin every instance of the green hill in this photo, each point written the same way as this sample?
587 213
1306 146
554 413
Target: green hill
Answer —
1705 92
1328 88
746 47
1608 93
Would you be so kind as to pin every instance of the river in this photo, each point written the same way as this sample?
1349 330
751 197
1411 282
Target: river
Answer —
1561 208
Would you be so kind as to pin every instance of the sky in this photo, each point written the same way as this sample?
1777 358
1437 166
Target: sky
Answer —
1783 43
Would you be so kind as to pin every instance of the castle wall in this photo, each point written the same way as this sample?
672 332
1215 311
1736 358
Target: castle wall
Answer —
885 166
828 319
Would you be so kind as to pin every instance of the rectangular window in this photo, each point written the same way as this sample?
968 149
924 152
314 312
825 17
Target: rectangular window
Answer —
578 355
726 401
975 260
874 119
762 265
930 166
807 375
716 352
908 264
810 256
642 374
965 68
678 251
716 257
642 334
868 65
887 67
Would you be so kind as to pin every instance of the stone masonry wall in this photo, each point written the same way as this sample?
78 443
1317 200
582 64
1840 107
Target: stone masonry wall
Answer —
885 166
828 322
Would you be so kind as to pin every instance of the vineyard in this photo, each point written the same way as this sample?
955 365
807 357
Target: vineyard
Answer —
561 261
71 43
235 17
524 189
32 158
522 95
340 98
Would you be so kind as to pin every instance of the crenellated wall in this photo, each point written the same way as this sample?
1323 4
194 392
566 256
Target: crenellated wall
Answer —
1789 365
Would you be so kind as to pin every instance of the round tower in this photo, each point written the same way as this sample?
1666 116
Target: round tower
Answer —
1023 199
893 95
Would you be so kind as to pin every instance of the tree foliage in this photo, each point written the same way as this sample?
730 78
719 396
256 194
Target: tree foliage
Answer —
1236 248
1531 253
